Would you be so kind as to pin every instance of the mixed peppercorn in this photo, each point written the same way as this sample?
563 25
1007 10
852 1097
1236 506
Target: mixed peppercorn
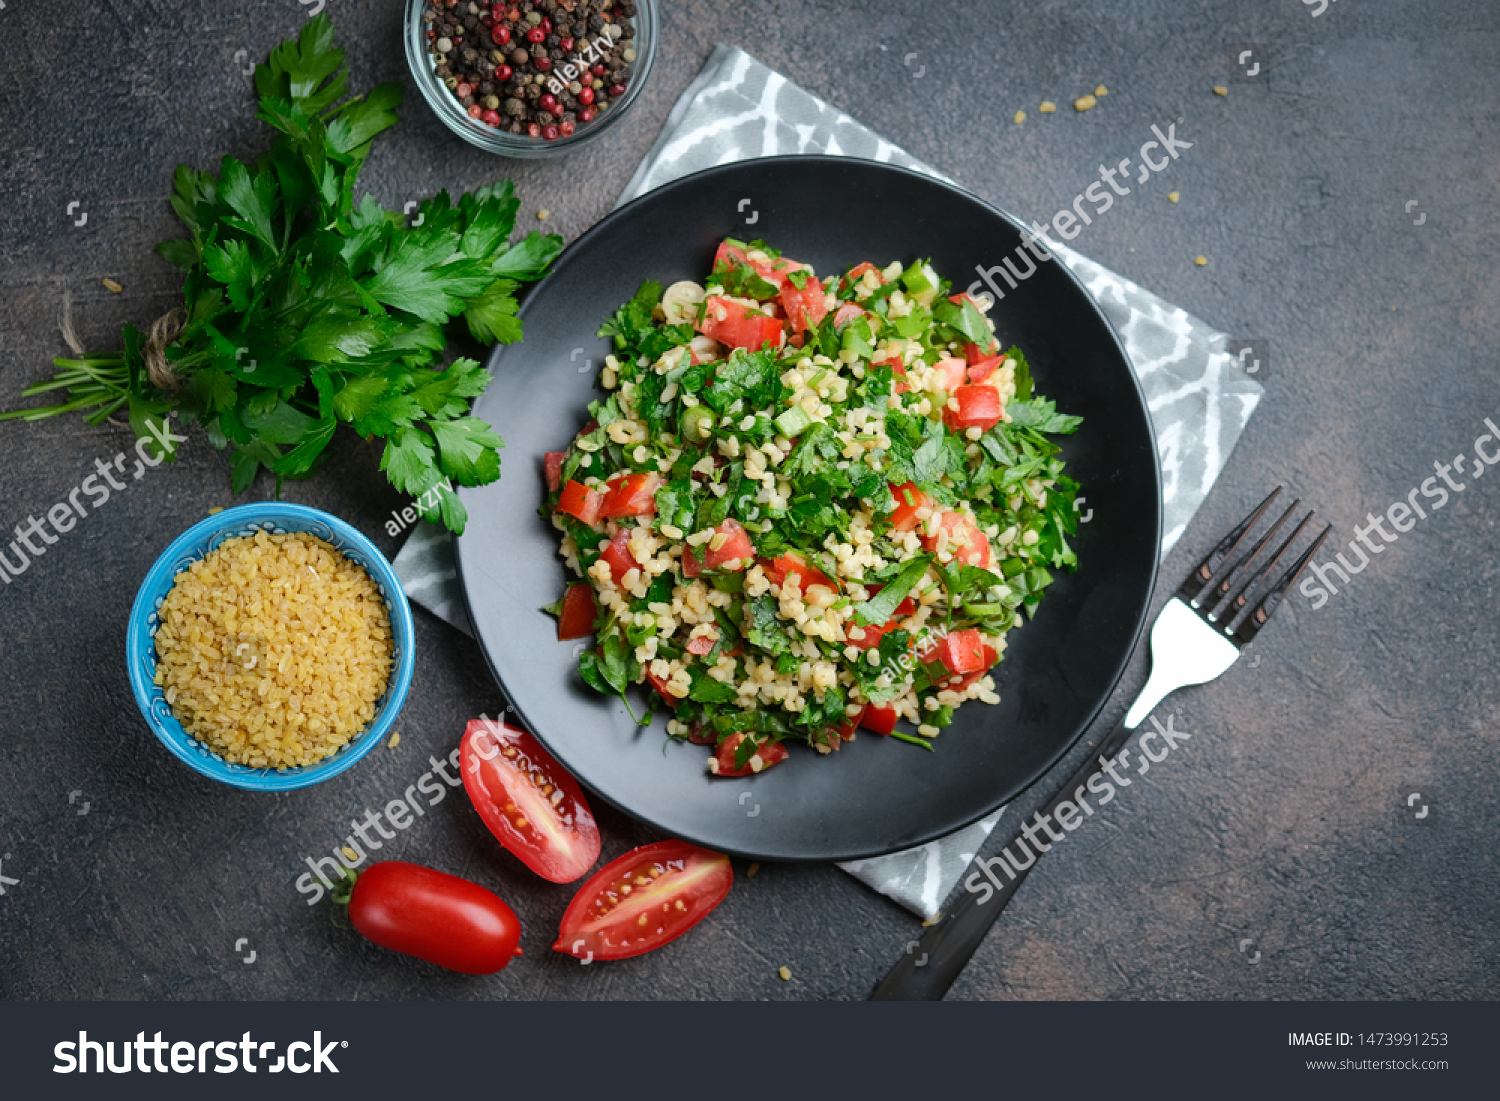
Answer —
533 68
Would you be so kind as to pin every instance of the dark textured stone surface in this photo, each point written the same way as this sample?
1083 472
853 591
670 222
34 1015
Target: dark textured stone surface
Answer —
1280 821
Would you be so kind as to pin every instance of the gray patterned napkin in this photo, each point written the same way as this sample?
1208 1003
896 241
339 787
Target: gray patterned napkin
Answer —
1199 397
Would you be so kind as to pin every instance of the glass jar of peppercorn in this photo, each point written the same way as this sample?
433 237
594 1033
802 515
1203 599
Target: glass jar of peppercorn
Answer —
530 78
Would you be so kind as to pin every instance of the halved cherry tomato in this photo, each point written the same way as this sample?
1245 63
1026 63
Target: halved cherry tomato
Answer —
618 555
643 900
435 917
553 463
576 620
631 494
909 499
722 763
528 801
966 543
580 501
978 407
735 547
778 569
731 323
952 369
882 720
805 308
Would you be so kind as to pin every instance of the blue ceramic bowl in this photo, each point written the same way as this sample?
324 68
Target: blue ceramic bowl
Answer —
193 544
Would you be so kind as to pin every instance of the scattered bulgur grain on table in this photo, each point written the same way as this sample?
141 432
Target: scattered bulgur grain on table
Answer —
111 285
1047 107
1083 103
785 973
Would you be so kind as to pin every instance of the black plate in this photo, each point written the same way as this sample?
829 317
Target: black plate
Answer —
876 795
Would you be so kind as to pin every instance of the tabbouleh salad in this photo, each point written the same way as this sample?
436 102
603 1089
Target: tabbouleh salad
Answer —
807 505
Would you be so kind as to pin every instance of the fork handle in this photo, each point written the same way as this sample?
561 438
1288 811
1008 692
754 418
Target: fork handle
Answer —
928 969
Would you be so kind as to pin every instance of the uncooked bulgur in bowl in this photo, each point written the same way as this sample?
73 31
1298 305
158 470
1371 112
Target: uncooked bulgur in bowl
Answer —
270 646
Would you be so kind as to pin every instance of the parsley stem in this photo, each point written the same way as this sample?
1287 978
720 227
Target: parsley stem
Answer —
924 743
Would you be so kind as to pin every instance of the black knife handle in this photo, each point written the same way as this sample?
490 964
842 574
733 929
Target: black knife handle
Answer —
930 966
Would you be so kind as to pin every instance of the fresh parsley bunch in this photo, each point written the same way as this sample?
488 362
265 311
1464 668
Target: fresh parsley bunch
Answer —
304 310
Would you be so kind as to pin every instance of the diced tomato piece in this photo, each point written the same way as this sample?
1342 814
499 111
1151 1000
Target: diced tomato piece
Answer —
882 720
857 273
728 255
631 494
984 368
722 763
895 364
962 651
576 620
661 687
846 313
735 547
952 369
966 542
905 608
691 565
731 323
805 308
846 730
978 407
580 501
988 657
975 353
779 569
618 555
700 646
872 634
553 463
702 733
908 500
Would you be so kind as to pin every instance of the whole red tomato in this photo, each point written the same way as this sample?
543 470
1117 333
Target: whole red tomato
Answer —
434 916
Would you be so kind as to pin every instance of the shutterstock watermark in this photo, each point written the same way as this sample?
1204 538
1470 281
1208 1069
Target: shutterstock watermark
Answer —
63 517
369 834
1068 223
1070 813
1318 585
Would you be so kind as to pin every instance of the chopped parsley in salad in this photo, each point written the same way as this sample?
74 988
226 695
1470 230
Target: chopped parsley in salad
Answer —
807 505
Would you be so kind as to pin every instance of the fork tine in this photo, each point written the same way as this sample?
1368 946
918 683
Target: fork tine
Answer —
1240 568
1201 576
1272 600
